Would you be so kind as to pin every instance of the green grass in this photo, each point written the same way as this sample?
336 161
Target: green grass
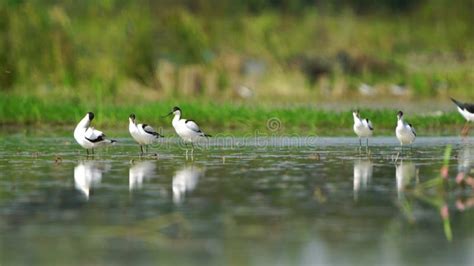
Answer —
226 118
163 50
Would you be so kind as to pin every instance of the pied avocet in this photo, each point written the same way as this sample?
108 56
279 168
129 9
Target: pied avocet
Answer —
88 137
144 134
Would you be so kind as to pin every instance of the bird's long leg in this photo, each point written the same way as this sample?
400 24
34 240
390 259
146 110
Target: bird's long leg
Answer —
465 130
87 152
141 150
367 145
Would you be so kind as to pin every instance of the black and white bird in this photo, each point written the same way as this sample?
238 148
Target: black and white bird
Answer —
467 111
405 132
143 134
362 127
88 137
187 129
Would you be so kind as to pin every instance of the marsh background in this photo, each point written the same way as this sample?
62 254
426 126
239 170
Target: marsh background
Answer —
254 73
235 64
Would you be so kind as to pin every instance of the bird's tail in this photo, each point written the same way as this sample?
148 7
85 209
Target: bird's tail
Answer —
207 135
113 141
456 102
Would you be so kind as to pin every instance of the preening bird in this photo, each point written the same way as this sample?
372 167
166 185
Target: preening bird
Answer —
405 132
88 137
143 134
362 127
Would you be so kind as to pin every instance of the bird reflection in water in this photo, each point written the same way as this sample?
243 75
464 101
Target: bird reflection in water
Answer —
185 180
139 172
465 165
405 171
88 174
363 170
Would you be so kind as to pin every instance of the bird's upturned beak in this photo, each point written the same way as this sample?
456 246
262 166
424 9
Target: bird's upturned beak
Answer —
170 113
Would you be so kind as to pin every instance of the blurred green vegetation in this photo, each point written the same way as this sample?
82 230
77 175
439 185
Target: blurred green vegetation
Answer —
124 52
218 119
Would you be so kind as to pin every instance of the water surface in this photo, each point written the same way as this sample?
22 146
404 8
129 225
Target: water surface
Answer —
247 201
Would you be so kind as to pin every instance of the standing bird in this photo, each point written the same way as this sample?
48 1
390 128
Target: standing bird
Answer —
466 110
88 137
142 133
187 129
362 127
405 132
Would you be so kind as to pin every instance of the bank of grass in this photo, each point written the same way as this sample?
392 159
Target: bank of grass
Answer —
166 49
18 113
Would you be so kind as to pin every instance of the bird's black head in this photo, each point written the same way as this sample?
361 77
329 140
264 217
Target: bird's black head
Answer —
173 111
399 114
132 116
356 112
91 115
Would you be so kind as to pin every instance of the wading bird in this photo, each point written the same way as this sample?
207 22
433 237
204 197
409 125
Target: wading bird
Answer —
363 128
405 132
467 111
142 133
88 137
187 129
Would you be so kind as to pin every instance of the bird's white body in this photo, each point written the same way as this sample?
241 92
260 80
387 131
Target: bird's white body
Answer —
184 180
362 127
88 137
143 134
405 132
466 114
188 130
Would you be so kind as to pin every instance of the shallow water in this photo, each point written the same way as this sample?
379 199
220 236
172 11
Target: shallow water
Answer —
265 201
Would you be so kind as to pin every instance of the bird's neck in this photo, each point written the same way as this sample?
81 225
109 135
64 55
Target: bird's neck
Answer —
400 122
356 118
132 126
176 117
85 122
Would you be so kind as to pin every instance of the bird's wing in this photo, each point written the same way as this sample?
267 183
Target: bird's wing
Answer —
412 129
369 124
469 107
192 125
466 106
94 135
148 129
